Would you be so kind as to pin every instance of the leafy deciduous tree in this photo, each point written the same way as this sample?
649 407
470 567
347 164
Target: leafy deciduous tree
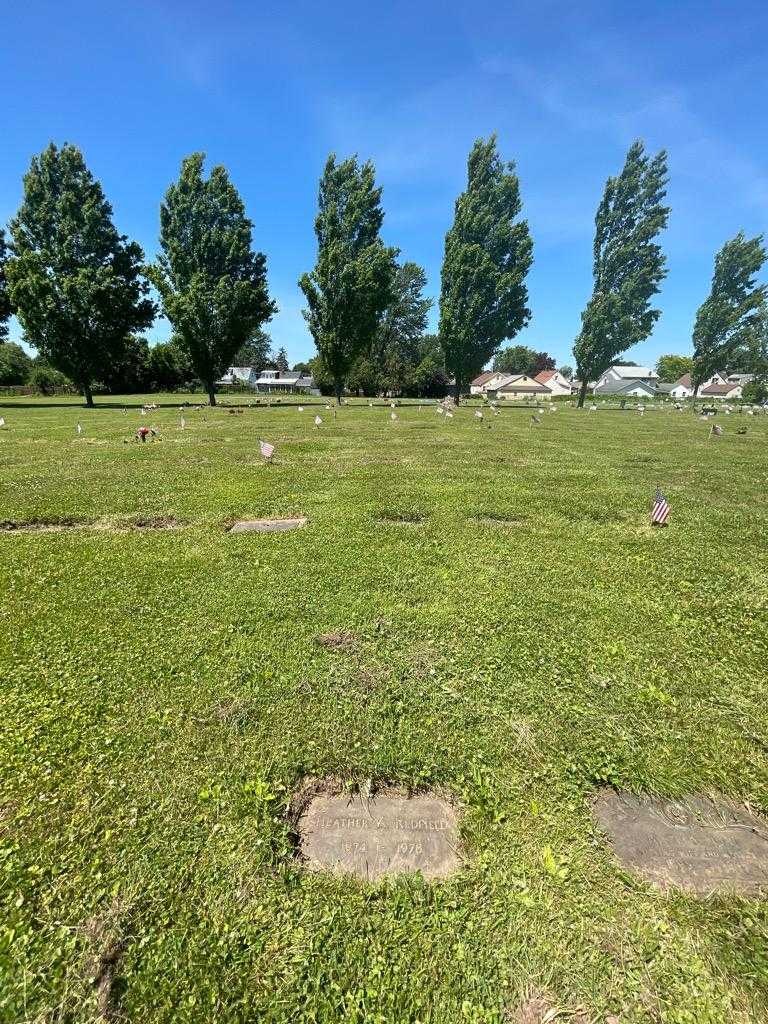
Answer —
628 265
76 284
255 352
515 359
5 298
488 253
169 367
671 368
567 371
212 284
731 311
351 284
15 364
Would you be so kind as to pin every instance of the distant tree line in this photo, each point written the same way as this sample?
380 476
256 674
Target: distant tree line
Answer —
83 293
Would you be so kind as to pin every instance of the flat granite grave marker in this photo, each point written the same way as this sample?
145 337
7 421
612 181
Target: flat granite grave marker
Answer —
267 525
386 833
697 843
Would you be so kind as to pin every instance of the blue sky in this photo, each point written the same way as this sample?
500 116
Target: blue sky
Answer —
269 89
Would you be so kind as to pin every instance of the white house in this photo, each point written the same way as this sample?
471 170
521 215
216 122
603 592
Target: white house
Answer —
626 381
519 385
280 380
239 375
555 381
727 391
682 388
477 387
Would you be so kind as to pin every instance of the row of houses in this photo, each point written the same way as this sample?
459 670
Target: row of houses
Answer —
617 382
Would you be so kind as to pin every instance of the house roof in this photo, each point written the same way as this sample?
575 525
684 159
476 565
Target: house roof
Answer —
718 389
544 376
485 376
633 372
664 389
618 387
513 385
684 382
287 378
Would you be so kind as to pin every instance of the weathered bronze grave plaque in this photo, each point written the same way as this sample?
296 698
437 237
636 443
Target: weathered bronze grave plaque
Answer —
267 525
697 843
388 833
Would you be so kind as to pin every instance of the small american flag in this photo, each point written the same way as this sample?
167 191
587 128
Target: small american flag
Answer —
79 428
479 414
659 509
393 415
318 421
183 423
2 421
715 430
266 449
535 420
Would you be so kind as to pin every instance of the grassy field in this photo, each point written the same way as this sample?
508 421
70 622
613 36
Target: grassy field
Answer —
519 635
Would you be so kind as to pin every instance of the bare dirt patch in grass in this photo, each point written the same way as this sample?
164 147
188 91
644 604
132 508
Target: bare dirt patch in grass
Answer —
267 525
337 640
107 941
384 831
106 525
40 525
494 519
400 518
537 1009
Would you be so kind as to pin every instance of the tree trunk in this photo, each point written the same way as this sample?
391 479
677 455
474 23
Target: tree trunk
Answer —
693 397
211 394
88 395
337 389
582 393
457 391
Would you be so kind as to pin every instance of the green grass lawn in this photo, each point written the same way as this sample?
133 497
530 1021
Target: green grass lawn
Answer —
524 637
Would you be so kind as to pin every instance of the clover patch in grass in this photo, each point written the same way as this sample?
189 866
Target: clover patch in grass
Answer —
387 831
698 843
267 525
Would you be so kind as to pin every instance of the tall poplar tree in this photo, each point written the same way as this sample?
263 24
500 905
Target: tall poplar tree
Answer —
5 298
212 284
628 265
729 317
75 283
351 284
488 253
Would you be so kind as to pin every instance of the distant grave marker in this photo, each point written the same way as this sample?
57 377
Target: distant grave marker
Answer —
387 833
267 525
700 844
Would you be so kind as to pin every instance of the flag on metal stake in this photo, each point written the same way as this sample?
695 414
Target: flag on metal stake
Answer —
318 421
267 450
659 509
79 428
